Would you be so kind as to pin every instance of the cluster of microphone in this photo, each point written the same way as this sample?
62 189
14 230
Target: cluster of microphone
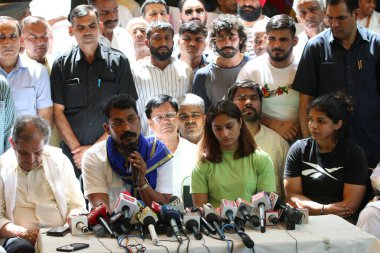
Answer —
173 219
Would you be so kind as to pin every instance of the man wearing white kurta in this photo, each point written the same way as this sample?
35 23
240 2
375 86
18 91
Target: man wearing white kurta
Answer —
38 187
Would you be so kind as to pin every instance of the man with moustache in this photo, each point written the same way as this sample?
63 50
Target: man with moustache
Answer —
250 12
192 10
275 72
227 38
136 28
345 57
36 35
160 73
310 14
162 113
248 96
126 160
83 80
112 35
28 80
154 10
191 117
192 44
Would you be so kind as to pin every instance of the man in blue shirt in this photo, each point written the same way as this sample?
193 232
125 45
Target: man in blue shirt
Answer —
28 80
344 57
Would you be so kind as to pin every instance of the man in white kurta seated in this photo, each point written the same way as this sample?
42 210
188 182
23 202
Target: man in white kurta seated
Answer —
38 187
127 160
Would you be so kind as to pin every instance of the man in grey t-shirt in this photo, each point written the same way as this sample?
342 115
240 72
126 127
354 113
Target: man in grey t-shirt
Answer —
228 40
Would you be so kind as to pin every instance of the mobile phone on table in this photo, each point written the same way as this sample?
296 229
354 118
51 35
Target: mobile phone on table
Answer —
58 231
73 247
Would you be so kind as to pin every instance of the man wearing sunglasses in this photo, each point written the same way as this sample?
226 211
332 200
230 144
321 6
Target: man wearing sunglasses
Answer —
162 114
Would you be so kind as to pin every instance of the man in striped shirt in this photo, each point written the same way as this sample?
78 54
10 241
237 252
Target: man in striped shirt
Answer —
160 73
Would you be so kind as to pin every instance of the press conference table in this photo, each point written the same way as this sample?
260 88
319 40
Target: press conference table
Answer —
327 233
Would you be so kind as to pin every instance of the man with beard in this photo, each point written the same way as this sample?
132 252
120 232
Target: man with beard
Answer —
28 80
191 117
127 160
112 35
160 73
227 39
136 28
275 72
82 81
250 12
192 44
247 95
192 10
310 14
162 114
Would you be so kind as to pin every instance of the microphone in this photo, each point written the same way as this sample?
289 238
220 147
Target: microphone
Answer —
192 220
177 203
206 227
132 147
127 205
149 219
271 218
213 219
171 216
98 215
117 222
244 210
78 224
261 201
290 214
228 210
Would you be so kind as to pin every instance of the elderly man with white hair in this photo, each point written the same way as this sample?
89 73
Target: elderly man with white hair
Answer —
310 14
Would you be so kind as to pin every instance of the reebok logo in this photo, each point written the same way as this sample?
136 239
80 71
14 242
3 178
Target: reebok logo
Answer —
317 171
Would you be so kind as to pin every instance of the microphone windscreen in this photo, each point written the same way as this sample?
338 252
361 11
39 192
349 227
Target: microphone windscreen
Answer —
168 212
248 242
211 217
132 147
149 220
172 198
190 224
98 211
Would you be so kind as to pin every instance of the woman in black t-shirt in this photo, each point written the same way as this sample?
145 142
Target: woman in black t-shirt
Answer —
326 173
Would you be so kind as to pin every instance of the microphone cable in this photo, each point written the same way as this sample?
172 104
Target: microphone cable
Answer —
160 245
204 245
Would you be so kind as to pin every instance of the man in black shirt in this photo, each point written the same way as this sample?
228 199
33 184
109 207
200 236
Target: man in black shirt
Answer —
82 81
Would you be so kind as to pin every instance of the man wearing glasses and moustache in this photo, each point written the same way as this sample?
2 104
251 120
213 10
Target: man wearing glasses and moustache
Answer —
162 114
126 160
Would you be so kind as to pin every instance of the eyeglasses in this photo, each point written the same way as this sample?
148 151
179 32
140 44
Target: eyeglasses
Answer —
130 121
161 117
185 116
